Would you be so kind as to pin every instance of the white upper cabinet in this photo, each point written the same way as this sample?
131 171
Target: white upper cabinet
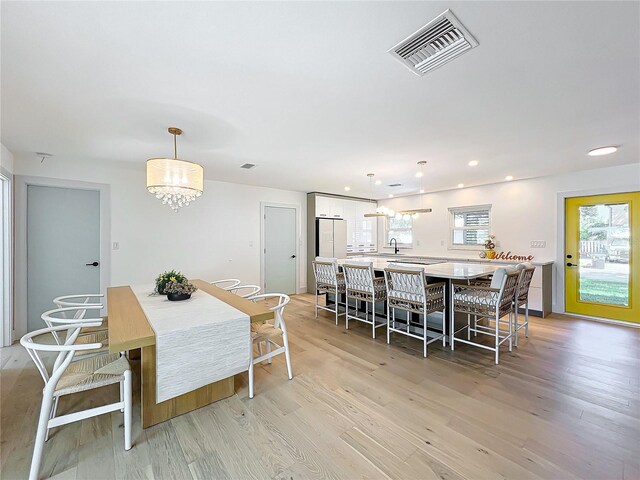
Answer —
323 206
361 232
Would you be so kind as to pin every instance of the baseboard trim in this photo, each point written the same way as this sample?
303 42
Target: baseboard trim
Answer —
602 320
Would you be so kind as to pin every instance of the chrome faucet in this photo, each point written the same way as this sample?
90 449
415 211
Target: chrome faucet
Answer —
396 249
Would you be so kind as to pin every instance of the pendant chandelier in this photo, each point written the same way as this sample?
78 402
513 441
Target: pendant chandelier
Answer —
176 182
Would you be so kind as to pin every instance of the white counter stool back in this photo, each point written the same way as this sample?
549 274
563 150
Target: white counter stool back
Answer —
227 283
407 290
267 333
328 280
69 377
245 291
522 298
491 303
362 285
71 316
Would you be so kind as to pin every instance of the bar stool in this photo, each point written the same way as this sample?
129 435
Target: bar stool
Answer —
407 290
361 285
492 303
522 298
328 280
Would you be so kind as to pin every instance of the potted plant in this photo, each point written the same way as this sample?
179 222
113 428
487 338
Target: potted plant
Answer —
489 246
166 277
179 289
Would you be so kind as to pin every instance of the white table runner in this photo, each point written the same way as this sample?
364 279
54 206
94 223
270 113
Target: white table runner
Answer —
198 341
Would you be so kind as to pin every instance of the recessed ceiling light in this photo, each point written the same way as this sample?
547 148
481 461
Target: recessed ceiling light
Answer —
508 178
419 174
378 182
391 195
474 163
597 152
346 189
421 191
461 185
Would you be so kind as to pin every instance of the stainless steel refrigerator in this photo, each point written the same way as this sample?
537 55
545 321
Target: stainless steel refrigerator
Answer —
331 238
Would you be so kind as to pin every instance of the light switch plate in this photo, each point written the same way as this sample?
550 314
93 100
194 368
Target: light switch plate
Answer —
538 243
116 245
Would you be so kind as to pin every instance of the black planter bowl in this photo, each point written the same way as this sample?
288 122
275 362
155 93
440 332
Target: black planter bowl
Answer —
176 297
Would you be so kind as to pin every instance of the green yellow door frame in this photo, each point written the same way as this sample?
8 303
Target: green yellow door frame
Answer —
573 302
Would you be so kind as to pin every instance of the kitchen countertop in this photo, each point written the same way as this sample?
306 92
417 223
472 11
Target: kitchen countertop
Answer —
450 270
418 258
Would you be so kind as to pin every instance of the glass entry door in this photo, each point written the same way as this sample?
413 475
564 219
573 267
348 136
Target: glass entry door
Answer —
602 256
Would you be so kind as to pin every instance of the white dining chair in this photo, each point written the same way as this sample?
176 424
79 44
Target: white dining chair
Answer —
245 291
227 283
71 316
267 333
489 303
81 300
68 377
408 290
328 281
522 298
362 286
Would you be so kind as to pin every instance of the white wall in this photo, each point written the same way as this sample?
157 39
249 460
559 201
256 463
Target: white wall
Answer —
6 159
522 211
209 239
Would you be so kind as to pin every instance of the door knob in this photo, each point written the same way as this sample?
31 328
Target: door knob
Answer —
93 264
571 265
293 256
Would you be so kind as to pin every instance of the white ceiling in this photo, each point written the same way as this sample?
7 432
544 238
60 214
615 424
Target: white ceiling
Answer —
308 93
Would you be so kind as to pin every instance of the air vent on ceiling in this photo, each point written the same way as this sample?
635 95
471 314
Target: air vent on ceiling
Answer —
438 42
248 166
395 185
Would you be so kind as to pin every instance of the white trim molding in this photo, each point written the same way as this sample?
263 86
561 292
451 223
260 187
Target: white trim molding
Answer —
21 183
297 209
7 305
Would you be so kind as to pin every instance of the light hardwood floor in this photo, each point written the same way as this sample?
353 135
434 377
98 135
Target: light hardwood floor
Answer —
565 405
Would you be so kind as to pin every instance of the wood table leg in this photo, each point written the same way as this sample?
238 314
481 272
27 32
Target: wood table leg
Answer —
153 413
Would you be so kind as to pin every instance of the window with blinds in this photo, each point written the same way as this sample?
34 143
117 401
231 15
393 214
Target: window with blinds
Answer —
401 229
470 226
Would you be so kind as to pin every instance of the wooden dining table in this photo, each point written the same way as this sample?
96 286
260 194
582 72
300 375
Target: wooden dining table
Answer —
129 330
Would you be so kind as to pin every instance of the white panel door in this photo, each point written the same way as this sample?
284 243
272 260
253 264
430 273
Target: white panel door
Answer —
63 236
280 238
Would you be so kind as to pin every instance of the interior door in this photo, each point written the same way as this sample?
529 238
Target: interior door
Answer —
280 238
63 236
602 250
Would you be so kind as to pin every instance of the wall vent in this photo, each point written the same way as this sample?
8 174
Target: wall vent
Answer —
248 166
438 42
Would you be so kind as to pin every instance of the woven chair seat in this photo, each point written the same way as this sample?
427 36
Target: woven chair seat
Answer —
331 287
379 291
406 296
102 328
95 337
90 373
264 331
